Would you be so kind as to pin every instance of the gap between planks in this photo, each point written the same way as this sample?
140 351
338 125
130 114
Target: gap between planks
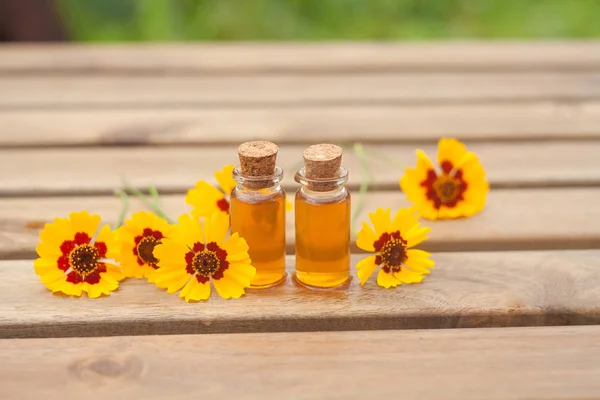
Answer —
338 57
464 290
81 91
512 220
79 171
496 363
529 121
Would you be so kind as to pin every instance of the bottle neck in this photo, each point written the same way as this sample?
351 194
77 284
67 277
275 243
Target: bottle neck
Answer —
323 188
337 193
258 184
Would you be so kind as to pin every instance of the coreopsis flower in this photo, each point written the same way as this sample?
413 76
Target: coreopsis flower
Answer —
74 256
457 189
207 199
196 254
392 242
138 237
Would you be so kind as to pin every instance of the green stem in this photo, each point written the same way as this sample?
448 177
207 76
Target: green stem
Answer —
150 203
124 208
359 150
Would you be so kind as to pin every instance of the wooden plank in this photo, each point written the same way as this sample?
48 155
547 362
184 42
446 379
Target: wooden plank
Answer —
75 171
83 91
373 123
224 58
512 220
496 363
465 290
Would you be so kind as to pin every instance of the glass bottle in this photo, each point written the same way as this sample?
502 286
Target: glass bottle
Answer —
258 207
322 211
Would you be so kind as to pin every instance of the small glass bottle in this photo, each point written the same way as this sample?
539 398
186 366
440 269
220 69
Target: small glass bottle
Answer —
258 211
322 212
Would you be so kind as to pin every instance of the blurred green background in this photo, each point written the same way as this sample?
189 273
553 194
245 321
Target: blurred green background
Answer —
170 20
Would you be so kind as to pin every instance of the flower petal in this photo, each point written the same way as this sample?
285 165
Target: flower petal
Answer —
204 198
386 280
450 150
225 179
366 237
171 280
365 268
222 288
187 231
84 222
195 291
381 221
236 248
231 285
406 276
416 236
217 226
405 220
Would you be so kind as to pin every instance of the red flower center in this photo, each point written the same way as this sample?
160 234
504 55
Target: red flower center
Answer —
392 249
145 250
144 247
84 259
206 262
446 189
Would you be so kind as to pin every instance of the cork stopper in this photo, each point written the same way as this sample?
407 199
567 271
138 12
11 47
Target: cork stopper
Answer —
322 162
257 159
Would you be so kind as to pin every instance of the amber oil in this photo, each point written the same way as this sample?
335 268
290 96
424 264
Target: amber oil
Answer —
322 211
258 208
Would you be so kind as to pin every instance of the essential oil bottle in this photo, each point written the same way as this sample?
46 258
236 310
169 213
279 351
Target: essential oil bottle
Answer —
258 210
322 212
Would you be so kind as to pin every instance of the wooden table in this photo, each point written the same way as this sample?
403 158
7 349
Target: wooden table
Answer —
522 279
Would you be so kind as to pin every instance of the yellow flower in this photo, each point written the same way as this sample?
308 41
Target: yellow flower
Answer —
72 262
138 237
392 241
196 254
207 199
458 190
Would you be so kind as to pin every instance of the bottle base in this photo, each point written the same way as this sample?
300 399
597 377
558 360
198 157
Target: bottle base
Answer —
337 286
281 281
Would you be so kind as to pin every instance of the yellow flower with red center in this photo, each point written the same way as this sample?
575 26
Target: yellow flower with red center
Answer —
457 189
138 237
392 241
197 253
207 199
72 261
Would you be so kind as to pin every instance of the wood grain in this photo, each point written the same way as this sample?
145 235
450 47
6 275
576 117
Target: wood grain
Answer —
224 58
75 171
301 124
495 363
512 220
465 290
82 91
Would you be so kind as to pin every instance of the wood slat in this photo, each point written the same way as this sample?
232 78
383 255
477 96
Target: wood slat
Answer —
512 220
223 58
75 171
464 290
398 123
82 91
507 363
